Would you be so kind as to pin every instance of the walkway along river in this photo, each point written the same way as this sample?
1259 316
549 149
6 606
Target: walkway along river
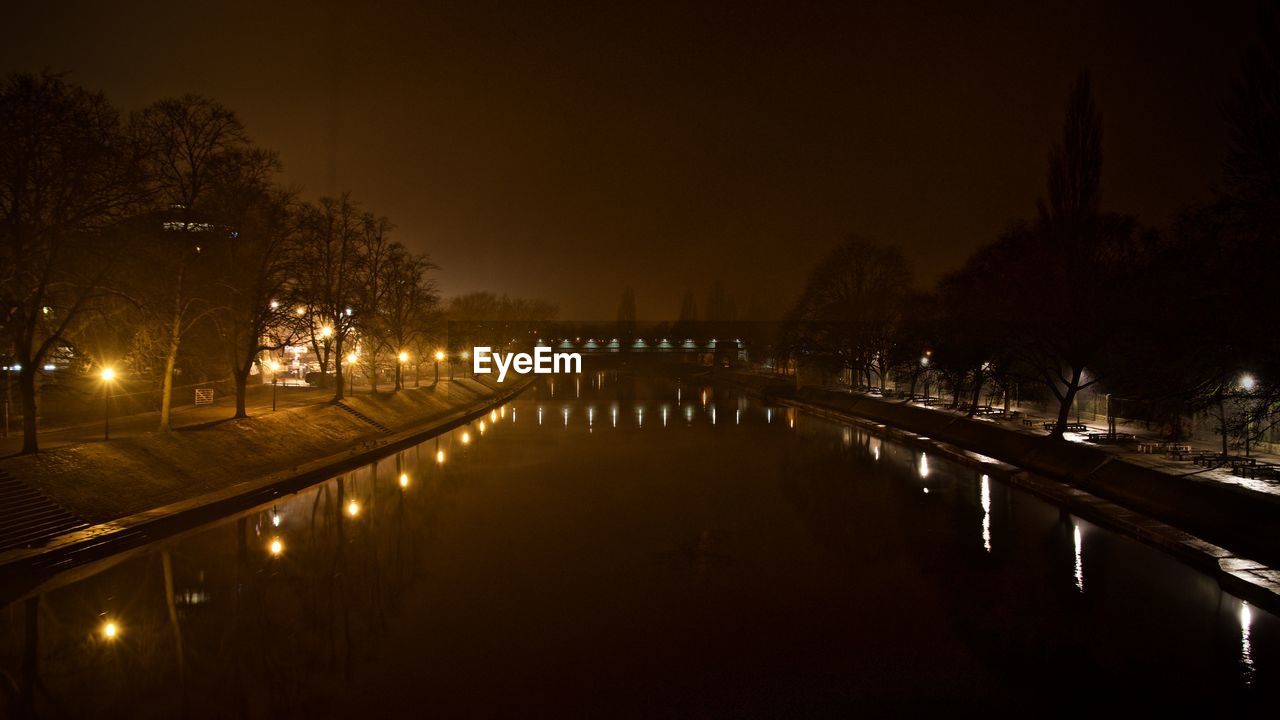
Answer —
615 545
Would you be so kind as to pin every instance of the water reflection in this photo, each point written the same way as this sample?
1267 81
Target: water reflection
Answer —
356 587
986 513
1246 645
1079 546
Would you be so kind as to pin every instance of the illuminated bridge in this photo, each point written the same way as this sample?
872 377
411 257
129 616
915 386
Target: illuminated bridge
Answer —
672 346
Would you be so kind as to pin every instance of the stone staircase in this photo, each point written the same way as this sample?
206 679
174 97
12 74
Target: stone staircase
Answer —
29 518
364 418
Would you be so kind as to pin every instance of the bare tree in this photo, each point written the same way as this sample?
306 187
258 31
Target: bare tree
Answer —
331 273
255 269
850 307
408 303
192 147
66 178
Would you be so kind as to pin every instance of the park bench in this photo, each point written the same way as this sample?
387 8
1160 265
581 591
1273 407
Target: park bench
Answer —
1208 458
1239 464
1103 437
1070 427
1260 470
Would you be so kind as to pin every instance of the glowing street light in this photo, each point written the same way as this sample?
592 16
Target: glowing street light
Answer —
326 331
439 357
403 357
275 372
1248 382
276 548
404 480
108 376
353 508
110 630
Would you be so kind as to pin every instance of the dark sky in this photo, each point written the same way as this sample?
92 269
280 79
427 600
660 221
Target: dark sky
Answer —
564 152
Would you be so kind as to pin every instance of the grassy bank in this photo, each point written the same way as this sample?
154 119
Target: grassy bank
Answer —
105 481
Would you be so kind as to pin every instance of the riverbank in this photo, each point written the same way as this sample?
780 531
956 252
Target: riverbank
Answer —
131 492
1225 530
101 481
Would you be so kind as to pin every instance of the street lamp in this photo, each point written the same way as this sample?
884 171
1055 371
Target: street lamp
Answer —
275 377
351 371
403 357
439 357
108 376
1247 383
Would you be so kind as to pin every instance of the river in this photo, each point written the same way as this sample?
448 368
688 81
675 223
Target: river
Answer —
627 546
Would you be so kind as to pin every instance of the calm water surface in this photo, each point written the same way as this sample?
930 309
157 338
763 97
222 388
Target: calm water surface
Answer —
618 547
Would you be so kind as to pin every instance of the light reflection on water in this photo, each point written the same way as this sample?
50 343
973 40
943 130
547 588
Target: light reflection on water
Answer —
1246 646
1079 548
336 573
986 513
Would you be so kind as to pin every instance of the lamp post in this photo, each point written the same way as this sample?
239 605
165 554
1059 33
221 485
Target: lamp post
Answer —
439 357
275 377
351 372
1248 383
108 375
403 357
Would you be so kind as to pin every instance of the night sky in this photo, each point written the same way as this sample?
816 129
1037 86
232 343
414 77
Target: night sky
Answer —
566 152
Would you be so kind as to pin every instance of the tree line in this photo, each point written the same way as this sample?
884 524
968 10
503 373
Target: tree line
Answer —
1171 321
164 241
